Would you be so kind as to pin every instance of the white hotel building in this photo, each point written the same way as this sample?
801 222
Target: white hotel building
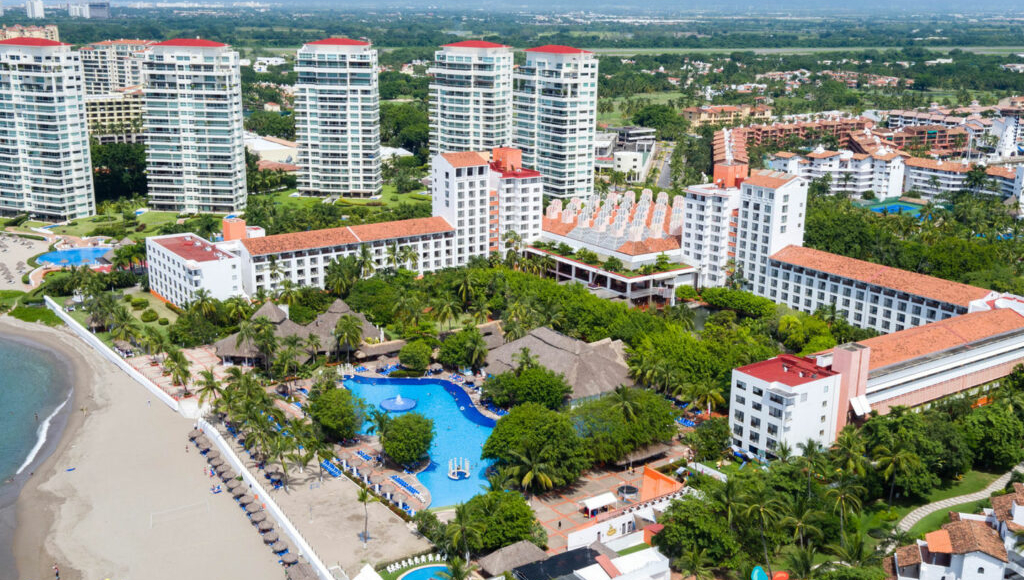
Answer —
934 177
337 118
113 65
45 165
195 150
181 264
881 172
470 97
555 117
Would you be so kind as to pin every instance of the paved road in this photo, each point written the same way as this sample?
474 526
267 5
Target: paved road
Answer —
916 515
665 177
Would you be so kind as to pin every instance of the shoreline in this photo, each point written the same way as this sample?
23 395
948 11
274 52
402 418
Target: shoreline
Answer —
15 528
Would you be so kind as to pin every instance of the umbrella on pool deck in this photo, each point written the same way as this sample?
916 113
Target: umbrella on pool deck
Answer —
195 433
265 525
258 517
436 367
270 537
252 508
212 455
216 462
373 479
238 491
289 559
234 483
388 489
247 498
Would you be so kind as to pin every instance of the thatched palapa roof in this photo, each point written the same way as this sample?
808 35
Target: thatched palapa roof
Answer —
519 554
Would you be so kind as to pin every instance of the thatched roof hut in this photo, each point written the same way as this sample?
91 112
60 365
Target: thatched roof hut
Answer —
504 560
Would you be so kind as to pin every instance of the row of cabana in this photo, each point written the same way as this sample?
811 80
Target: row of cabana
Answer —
246 500
357 466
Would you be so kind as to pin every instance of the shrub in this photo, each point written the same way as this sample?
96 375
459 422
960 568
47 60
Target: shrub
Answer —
140 228
739 301
533 384
17 220
149 315
686 293
163 322
338 414
403 373
409 438
36 314
415 356
139 303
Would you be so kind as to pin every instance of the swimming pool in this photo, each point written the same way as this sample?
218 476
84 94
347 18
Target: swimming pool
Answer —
424 573
898 208
72 257
460 431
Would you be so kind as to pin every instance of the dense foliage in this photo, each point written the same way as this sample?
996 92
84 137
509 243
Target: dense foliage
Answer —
528 382
338 413
409 437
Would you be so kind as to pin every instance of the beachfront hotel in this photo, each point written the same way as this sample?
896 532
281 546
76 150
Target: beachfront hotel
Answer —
180 265
470 97
195 153
555 117
45 164
337 118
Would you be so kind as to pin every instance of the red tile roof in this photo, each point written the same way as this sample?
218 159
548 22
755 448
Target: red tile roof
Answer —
191 42
192 247
939 542
769 179
649 246
344 236
466 158
267 165
558 49
968 536
26 41
787 369
340 42
959 331
901 280
476 44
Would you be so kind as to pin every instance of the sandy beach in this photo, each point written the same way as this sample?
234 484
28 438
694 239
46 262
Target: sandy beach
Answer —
120 497
13 250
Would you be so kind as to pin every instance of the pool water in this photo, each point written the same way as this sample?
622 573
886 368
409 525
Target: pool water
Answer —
424 573
898 208
72 257
460 431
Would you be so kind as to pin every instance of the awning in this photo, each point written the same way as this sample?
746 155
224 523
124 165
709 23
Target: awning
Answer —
595 503
860 405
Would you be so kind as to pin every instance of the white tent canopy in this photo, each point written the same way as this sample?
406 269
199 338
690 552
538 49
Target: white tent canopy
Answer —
597 502
368 573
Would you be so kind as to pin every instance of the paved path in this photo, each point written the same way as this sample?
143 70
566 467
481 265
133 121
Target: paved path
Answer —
915 516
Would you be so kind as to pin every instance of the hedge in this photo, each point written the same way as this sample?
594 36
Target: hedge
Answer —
163 322
740 301
149 315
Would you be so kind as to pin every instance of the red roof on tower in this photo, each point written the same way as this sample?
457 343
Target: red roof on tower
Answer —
340 42
191 42
558 49
476 44
24 41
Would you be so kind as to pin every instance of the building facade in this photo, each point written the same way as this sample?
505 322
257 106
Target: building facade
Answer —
934 177
461 195
337 118
34 9
47 31
853 174
555 117
116 117
193 127
182 264
113 65
520 196
470 97
45 163
726 114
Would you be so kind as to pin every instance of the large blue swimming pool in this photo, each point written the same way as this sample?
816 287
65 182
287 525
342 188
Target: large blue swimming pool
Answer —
72 257
424 573
460 431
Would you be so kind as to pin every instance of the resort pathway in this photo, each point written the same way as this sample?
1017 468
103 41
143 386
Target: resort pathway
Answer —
915 516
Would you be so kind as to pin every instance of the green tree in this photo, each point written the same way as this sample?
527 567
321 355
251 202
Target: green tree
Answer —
994 434
533 384
348 334
338 413
506 518
366 498
695 525
409 437
415 356
764 511
531 426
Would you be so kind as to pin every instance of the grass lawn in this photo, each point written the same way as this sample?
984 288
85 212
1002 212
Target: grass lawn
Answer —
934 520
637 548
615 118
152 219
284 198
8 298
36 314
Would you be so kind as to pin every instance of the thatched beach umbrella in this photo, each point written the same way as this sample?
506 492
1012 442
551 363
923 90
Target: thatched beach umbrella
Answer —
222 469
237 491
212 455
246 499
270 537
216 462
265 525
388 490
373 479
195 433
436 367
289 559
228 475
234 483
257 517
278 547
252 508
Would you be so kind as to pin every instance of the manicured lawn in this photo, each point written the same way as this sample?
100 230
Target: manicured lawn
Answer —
36 314
934 520
284 198
616 118
972 481
637 548
152 219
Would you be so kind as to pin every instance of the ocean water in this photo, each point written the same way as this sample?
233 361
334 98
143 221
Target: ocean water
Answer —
31 383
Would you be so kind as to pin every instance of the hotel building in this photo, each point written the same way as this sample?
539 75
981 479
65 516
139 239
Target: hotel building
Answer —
726 114
45 164
116 117
934 177
193 127
113 65
337 118
182 264
470 97
555 117
880 172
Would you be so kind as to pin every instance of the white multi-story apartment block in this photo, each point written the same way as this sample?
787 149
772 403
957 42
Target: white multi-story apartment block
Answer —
182 264
45 165
337 118
195 150
880 172
771 217
709 235
461 194
555 117
868 295
34 9
520 198
116 117
934 177
470 97
113 65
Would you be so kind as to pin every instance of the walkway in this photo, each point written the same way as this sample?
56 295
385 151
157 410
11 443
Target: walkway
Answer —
915 516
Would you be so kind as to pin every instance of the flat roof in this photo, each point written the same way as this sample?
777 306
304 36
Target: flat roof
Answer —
191 42
347 235
339 42
913 283
558 49
474 44
955 332
769 179
192 247
787 369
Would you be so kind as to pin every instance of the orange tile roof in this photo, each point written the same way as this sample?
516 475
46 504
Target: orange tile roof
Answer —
785 154
1004 172
466 158
901 280
649 246
344 236
974 536
769 179
556 226
822 154
937 165
908 555
959 331
939 542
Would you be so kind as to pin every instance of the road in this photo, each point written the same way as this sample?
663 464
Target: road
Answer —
665 177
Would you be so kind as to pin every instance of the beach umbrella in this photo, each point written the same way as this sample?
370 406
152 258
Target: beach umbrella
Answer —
373 479
388 490
265 525
195 433
257 517
278 547
290 558
247 498
274 475
212 455
234 483
237 491
436 367
270 537
228 475
252 508
222 469
204 446
216 462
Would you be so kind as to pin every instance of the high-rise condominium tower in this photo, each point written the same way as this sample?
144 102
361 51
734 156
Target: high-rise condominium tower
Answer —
195 152
45 167
337 118
113 65
470 97
555 117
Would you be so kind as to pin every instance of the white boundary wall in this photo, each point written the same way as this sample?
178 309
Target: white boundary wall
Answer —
225 448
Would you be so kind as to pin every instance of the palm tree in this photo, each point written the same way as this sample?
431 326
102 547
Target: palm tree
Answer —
803 523
764 509
532 470
812 458
800 563
155 341
445 308
409 256
348 334
457 570
623 400
857 552
379 423
848 451
289 293
696 564
897 461
123 326
237 308
209 386
312 345
466 286
783 452
392 255
703 392
730 496
365 262
846 495
178 365
464 530
203 303
366 498
340 276
476 352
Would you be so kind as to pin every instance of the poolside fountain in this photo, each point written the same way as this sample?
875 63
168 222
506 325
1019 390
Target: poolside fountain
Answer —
458 468
397 404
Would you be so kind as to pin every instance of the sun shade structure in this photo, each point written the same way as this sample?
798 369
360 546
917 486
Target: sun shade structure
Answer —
597 502
519 554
